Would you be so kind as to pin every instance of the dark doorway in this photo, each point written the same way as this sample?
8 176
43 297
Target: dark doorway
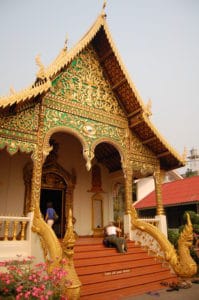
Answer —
56 197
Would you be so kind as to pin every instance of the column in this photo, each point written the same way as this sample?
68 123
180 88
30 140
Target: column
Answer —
37 167
128 182
128 178
158 178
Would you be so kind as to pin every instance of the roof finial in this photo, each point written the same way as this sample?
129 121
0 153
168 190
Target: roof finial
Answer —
103 8
41 73
12 90
184 155
148 111
66 43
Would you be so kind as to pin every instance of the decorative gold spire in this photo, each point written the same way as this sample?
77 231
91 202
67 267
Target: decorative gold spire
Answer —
148 108
41 73
66 43
103 8
184 155
12 90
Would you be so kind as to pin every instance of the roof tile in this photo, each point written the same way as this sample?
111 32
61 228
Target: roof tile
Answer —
177 192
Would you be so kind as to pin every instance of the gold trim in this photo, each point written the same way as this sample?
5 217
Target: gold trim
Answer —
28 93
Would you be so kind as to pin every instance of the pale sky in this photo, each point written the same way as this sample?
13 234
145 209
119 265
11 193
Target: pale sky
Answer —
158 41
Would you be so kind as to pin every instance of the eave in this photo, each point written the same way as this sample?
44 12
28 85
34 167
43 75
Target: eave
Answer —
129 98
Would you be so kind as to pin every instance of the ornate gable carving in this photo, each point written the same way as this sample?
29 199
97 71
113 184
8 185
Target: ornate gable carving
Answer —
143 160
23 121
83 82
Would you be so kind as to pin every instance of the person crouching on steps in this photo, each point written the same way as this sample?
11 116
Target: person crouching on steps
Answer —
112 240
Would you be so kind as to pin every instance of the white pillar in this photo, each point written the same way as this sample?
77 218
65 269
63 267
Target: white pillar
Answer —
127 225
162 224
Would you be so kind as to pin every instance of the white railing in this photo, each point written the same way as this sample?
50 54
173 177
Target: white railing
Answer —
145 239
15 236
152 221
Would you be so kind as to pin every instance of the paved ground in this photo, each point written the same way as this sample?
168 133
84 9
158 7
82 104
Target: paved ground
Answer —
183 294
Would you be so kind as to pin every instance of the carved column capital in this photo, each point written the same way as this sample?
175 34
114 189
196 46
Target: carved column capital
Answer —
88 155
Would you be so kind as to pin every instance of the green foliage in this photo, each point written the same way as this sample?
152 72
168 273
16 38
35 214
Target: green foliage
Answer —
194 217
194 256
173 235
181 228
196 228
191 173
195 223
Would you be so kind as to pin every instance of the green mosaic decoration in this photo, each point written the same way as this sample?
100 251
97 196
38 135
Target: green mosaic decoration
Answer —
84 83
91 130
24 121
13 146
88 113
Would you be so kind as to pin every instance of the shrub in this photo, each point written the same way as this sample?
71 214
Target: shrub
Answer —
193 216
24 280
173 235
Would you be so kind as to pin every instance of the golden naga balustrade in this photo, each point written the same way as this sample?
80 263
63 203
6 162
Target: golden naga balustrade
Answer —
181 260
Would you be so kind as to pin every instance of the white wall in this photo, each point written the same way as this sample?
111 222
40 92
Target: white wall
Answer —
144 187
147 185
70 157
11 183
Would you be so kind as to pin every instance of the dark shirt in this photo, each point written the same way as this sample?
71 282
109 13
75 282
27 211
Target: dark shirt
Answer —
50 212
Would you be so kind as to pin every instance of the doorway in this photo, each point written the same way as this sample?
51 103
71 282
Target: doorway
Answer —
56 196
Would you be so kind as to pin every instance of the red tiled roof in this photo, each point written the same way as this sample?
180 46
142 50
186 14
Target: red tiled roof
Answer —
176 192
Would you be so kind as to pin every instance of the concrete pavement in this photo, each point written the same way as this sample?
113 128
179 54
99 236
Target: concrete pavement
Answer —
191 293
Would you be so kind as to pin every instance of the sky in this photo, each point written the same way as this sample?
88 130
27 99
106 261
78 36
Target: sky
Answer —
158 41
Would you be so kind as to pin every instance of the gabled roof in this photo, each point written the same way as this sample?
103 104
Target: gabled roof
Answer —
123 87
179 192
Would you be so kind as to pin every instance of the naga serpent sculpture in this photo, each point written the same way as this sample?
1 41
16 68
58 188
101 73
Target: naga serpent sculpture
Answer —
181 260
57 254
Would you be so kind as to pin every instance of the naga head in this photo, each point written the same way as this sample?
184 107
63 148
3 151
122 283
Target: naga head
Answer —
186 236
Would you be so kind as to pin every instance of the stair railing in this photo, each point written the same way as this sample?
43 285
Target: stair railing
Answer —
152 221
15 235
156 241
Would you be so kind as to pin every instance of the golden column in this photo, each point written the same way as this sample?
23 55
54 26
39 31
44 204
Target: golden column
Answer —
128 182
158 179
37 167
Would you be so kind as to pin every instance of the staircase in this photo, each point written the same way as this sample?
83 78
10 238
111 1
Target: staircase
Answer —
108 275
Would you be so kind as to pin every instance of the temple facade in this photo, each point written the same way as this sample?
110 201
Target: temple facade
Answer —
78 136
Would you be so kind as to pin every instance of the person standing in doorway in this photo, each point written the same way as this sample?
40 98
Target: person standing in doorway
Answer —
50 212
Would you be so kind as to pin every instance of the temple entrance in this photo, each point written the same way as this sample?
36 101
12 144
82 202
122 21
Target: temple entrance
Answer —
57 199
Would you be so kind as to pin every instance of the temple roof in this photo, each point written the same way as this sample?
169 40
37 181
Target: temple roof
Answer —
123 87
178 192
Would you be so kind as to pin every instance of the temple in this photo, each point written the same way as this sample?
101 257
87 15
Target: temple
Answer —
78 136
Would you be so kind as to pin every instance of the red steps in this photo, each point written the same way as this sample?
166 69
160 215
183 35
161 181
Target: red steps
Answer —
106 274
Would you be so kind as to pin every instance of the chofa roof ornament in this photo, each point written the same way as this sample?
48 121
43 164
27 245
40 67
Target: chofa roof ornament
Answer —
41 74
66 43
148 107
103 8
184 155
